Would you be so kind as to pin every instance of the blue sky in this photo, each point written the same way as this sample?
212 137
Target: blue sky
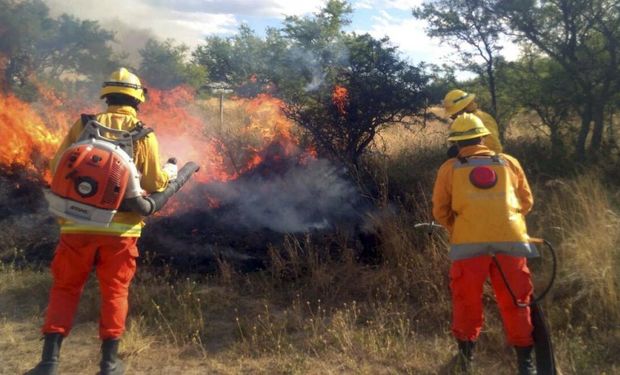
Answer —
189 21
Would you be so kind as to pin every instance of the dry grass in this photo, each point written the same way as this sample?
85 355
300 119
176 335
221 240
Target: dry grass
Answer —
584 306
319 310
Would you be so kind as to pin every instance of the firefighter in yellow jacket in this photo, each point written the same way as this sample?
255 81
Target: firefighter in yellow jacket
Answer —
458 101
482 198
111 250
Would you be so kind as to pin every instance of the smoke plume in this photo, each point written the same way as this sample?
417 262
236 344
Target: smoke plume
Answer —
314 195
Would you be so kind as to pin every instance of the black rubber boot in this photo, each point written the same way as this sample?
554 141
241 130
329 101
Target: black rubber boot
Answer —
524 360
110 363
465 357
50 357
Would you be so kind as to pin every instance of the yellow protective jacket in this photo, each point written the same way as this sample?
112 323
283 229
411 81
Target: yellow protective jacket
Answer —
483 221
146 158
492 140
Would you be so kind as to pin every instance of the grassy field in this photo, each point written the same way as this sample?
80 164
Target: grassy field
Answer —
315 311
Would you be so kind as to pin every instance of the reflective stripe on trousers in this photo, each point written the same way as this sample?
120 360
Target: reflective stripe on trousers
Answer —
471 250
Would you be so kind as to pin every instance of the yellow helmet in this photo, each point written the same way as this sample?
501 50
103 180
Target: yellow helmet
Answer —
467 126
456 100
122 81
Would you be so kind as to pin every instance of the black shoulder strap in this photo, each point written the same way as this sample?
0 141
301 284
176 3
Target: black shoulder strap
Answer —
140 131
86 118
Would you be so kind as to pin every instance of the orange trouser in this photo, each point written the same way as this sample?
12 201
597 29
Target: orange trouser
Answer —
467 277
114 259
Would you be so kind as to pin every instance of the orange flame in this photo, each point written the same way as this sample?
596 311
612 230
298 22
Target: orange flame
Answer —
340 98
182 131
30 137
32 132
258 122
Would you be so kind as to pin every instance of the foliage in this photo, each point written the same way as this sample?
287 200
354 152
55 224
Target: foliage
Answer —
35 44
441 80
539 84
75 47
581 39
469 27
303 63
347 86
22 24
232 60
380 90
344 87
163 65
584 39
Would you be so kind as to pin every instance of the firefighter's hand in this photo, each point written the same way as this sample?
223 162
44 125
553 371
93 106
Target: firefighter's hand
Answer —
171 169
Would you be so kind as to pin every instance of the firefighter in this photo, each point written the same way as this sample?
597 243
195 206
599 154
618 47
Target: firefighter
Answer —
111 250
482 197
457 102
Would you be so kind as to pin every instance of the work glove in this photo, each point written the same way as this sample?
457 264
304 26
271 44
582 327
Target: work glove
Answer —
171 168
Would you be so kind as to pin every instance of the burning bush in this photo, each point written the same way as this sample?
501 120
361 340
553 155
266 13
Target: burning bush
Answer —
255 175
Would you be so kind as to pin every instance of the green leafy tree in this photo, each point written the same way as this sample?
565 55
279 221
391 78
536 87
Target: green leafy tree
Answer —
22 25
538 83
343 88
315 50
473 31
233 60
380 89
35 44
310 60
77 47
164 65
583 37
441 80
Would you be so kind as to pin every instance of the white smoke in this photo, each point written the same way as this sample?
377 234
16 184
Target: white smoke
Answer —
313 61
306 197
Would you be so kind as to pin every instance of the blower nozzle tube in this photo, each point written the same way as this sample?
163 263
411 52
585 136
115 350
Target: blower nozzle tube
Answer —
146 206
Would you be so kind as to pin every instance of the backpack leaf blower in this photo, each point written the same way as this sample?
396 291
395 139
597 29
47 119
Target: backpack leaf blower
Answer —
96 174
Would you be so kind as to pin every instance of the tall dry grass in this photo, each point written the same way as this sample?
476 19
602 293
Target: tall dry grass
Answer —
580 216
323 307
584 307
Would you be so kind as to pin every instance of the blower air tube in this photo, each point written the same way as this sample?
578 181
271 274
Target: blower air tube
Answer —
146 206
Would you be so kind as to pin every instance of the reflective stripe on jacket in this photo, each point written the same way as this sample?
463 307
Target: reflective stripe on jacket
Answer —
146 158
492 140
483 221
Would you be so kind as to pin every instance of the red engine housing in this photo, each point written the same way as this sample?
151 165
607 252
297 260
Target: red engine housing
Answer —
91 175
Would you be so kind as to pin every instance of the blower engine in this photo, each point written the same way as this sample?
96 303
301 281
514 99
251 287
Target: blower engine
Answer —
96 174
